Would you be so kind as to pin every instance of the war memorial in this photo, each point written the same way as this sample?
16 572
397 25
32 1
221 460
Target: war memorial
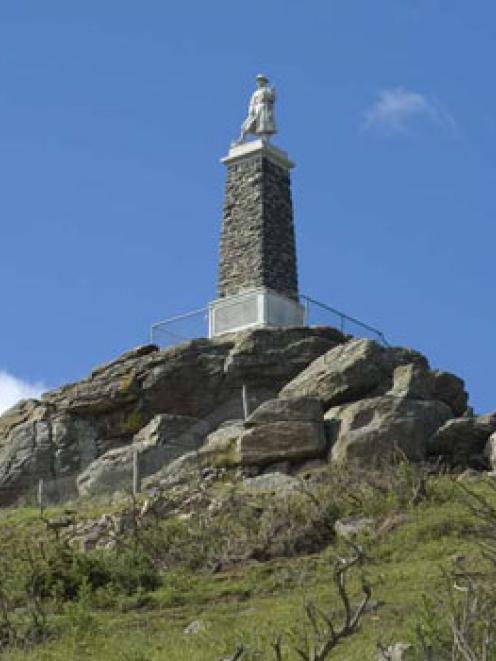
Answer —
263 390
185 494
258 280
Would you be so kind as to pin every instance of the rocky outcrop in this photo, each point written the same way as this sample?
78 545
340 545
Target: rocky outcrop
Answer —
462 442
278 432
355 370
375 429
27 457
378 401
163 440
22 412
72 426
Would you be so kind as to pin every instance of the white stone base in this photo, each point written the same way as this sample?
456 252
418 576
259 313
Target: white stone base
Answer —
255 308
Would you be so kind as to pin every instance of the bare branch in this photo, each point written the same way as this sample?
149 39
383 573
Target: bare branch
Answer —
352 616
240 650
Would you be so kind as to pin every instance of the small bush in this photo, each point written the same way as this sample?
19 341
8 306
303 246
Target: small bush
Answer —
132 570
61 572
78 613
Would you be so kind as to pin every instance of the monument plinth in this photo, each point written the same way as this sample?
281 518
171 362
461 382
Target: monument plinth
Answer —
257 283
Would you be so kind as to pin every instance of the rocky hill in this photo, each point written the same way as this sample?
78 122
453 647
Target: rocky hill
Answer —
314 395
267 457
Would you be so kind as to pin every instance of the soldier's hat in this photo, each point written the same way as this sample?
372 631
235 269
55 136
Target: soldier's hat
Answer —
261 76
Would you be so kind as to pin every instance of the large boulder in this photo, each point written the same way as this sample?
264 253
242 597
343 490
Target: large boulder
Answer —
281 441
295 409
174 431
112 471
373 430
164 439
355 370
450 389
275 356
412 381
462 442
283 430
219 451
417 381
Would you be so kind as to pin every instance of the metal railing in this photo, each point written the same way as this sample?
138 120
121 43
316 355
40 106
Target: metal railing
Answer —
317 313
194 324
180 328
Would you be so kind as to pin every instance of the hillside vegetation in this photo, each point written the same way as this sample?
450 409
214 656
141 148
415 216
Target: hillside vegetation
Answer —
212 568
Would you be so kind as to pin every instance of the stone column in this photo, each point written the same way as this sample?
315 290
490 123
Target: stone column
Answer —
258 244
257 283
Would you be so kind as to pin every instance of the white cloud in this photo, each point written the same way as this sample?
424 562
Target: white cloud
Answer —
13 389
396 108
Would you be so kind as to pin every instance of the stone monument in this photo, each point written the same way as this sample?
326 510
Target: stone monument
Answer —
257 281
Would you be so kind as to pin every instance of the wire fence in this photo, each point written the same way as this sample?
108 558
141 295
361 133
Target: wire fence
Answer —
32 491
194 324
50 491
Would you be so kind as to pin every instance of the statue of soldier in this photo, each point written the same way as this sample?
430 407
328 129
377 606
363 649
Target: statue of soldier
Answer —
260 120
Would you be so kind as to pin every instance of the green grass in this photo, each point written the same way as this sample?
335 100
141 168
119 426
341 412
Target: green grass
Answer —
252 603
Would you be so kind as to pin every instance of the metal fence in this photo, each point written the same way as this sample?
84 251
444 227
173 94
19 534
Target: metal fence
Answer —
321 314
194 324
180 328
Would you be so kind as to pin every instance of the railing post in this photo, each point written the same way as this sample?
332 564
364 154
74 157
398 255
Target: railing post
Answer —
136 474
41 495
307 311
244 397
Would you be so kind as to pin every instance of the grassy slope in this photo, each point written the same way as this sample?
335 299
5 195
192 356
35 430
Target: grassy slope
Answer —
254 602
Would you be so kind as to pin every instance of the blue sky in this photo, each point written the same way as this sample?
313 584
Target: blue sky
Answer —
113 117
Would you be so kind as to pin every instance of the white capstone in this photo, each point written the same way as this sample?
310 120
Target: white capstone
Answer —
262 147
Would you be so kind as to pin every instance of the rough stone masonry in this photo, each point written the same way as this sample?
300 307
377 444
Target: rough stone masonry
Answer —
258 241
